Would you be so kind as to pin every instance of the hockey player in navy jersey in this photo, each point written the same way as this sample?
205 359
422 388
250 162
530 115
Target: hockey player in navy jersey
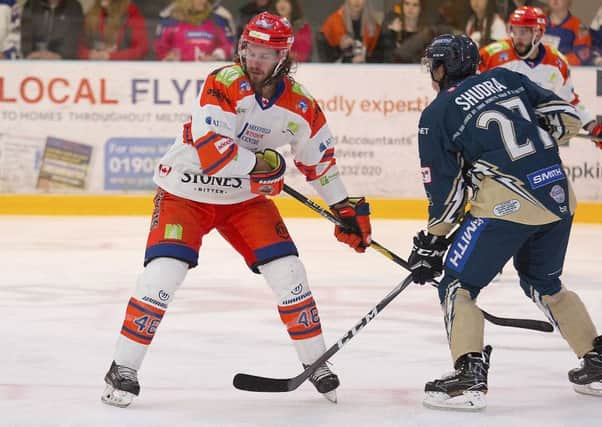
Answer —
494 137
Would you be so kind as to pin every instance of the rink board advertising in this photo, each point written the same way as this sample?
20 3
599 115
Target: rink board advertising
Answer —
99 127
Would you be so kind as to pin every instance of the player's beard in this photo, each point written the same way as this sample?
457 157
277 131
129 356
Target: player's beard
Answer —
522 50
258 78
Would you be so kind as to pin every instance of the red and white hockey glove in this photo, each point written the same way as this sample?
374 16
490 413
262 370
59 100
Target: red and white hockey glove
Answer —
355 214
267 177
596 134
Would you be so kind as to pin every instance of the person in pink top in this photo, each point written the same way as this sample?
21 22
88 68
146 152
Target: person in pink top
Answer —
192 34
303 44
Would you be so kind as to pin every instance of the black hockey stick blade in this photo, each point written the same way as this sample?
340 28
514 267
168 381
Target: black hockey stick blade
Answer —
536 325
250 382
256 383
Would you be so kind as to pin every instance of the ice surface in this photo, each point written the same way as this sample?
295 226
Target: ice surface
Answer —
64 283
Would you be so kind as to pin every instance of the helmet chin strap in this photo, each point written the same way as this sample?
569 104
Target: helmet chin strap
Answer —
534 46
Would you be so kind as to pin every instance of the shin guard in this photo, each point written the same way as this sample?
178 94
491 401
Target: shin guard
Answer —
154 291
572 319
464 321
296 306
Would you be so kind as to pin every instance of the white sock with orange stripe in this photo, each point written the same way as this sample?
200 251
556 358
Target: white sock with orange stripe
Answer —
296 306
155 289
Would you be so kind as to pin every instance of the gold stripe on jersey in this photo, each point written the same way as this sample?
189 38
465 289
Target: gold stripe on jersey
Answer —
455 204
482 169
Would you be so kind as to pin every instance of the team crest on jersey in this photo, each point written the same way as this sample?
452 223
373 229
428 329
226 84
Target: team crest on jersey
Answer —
303 106
244 86
504 56
557 193
426 175
164 170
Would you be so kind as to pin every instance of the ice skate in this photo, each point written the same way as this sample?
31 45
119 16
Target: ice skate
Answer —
325 381
464 389
122 386
587 379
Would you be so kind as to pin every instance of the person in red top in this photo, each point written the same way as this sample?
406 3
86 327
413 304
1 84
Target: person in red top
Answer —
350 34
114 29
567 33
525 53
303 44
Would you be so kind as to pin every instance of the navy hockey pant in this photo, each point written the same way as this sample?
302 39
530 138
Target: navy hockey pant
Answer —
483 246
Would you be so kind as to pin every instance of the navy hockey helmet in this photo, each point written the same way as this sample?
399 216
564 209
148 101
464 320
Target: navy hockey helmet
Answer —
458 54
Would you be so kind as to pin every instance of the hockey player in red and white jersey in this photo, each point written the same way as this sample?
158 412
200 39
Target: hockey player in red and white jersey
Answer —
216 176
524 52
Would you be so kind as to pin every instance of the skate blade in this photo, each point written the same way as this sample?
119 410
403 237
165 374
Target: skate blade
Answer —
331 396
467 401
112 396
592 389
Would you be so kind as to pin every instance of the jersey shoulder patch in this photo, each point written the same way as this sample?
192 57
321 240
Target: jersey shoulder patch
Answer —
497 47
229 75
300 90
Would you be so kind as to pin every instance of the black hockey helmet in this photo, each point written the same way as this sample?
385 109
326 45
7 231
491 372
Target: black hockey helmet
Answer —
458 54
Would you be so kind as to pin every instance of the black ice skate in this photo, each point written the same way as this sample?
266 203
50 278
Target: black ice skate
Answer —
464 389
325 381
122 386
587 379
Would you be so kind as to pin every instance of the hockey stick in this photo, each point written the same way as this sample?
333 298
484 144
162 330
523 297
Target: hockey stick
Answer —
278 385
536 325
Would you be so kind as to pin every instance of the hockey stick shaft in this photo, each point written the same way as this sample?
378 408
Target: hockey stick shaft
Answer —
264 384
537 325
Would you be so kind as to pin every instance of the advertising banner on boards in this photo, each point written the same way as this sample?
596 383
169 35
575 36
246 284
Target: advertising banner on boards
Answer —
127 114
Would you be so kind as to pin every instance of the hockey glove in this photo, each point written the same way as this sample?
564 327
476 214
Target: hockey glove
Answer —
596 134
354 212
426 259
264 180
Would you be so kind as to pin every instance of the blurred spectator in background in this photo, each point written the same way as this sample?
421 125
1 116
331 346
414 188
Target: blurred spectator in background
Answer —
506 7
249 10
51 29
227 20
567 33
150 10
114 29
350 34
524 53
405 34
303 44
485 24
10 32
595 31
221 16
192 34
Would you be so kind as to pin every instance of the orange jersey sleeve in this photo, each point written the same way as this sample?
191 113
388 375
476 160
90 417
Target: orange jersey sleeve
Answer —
213 120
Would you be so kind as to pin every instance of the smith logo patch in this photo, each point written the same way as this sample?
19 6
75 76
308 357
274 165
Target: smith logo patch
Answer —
464 244
546 176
